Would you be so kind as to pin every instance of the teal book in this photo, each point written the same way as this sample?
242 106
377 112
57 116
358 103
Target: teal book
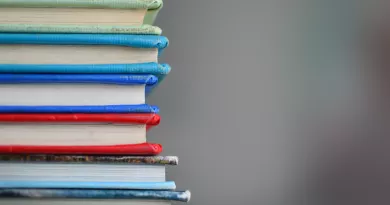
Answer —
81 16
16 48
82 196
156 69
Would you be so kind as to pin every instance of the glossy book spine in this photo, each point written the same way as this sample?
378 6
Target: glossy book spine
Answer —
97 109
134 68
182 196
128 118
144 149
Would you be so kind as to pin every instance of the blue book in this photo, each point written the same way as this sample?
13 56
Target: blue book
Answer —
169 185
82 53
142 108
75 90
181 196
158 70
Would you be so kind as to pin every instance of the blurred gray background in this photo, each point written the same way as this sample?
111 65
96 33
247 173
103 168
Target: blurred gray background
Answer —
222 106
266 103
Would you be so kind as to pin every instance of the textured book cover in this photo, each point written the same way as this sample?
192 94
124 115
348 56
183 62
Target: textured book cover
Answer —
150 119
169 185
118 79
182 196
152 6
143 149
136 41
98 109
99 29
158 70
83 159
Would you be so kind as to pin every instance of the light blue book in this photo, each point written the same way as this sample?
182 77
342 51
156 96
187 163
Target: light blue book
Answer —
181 196
169 185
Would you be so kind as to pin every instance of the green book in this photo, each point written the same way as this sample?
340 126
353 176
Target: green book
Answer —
80 16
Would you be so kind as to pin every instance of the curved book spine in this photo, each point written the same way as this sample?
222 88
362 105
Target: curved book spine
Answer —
131 118
89 159
81 109
182 196
144 149
88 185
97 4
136 41
97 29
136 68
78 78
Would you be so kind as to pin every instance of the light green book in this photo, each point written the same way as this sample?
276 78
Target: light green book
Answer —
80 16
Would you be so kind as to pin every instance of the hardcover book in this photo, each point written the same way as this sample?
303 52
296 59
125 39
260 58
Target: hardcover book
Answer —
16 48
65 196
81 16
141 108
158 70
77 133
83 170
74 89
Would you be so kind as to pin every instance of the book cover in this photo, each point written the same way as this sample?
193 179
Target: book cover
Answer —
136 41
182 196
118 79
143 108
158 70
98 29
83 159
143 149
169 185
150 119
96 4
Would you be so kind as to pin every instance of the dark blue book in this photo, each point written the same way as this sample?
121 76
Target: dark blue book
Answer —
75 90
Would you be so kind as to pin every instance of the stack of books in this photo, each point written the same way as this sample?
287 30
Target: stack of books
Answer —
74 76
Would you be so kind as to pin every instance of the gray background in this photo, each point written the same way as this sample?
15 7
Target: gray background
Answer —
223 105
266 103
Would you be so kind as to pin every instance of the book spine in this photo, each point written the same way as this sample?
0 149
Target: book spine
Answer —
182 196
144 149
101 4
136 68
81 109
117 79
83 159
136 41
169 185
52 28
129 118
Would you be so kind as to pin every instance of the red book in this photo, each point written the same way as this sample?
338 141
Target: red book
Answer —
132 149
106 134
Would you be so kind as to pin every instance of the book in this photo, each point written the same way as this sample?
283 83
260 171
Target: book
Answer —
91 131
143 149
83 168
74 89
121 196
141 108
31 184
46 201
80 12
17 48
158 70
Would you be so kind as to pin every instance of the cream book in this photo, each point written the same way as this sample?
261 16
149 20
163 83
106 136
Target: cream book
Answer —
79 12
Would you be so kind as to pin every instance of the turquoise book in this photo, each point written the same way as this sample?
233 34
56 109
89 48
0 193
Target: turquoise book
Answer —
92 196
83 54
81 16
